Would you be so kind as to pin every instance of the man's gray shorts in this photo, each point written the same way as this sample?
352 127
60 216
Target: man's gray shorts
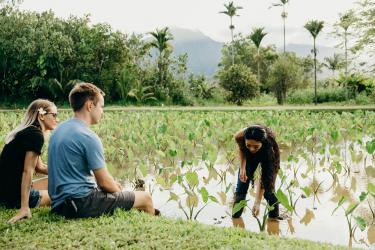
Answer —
96 204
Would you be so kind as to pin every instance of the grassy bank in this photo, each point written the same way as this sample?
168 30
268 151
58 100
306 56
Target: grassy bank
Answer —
133 231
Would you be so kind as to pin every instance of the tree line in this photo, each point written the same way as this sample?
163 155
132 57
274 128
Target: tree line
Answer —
280 72
42 55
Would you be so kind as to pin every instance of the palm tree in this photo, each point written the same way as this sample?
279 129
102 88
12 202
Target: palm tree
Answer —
333 63
346 20
141 93
314 27
160 42
231 11
256 37
284 14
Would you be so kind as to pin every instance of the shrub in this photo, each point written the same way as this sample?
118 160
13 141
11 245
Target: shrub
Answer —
285 74
306 96
357 83
240 81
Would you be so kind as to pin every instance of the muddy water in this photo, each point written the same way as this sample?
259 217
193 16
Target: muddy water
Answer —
313 218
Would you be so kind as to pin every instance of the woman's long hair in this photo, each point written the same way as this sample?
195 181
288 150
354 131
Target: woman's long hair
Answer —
270 153
39 106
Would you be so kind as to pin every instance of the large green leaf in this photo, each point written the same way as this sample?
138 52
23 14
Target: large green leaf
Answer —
162 129
363 196
238 206
341 201
371 189
283 199
351 208
192 179
191 136
204 194
338 167
172 152
361 223
334 135
213 198
370 146
173 197
307 191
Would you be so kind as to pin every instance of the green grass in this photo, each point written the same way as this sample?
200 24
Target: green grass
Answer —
133 230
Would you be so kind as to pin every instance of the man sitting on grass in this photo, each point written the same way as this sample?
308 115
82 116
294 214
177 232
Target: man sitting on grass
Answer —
76 156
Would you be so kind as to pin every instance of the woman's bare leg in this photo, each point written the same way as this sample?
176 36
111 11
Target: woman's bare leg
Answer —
45 200
42 186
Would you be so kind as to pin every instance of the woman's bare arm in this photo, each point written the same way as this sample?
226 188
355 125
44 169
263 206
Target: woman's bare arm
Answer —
31 159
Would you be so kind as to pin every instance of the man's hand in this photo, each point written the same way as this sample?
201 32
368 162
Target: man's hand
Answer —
105 181
22 213
255 209
118 184
243 176
41 167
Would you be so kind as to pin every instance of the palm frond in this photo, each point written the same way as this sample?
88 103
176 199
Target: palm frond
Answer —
314 27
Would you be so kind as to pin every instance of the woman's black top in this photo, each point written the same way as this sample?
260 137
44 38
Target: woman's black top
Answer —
12 160
268 156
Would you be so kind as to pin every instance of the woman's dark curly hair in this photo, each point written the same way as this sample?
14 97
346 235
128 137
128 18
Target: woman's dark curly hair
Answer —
269 153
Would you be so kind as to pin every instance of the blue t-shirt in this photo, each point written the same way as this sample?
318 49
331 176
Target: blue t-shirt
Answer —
74 151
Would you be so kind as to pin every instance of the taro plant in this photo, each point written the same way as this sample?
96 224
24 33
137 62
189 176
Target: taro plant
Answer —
334 170
189 183
316 188
371 191
291 194
370 148
353 221
261 221
290 200
283 199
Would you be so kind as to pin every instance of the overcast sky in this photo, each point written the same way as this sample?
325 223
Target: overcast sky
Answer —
142 16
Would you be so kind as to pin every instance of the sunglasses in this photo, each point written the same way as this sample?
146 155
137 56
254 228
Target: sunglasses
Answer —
53 114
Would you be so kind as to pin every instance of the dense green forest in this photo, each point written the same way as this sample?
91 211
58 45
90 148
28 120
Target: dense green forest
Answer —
42 55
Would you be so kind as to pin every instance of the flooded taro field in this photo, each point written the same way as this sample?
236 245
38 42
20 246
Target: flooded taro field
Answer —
188 161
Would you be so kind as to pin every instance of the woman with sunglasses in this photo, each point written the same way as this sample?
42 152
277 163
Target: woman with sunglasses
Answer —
257 146
20 157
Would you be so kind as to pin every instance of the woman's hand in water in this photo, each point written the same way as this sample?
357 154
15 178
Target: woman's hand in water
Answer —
22 213
243 176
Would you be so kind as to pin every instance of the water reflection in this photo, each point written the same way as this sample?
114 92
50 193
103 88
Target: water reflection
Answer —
308 217
371 234
273 226
291 226
319 187
238 222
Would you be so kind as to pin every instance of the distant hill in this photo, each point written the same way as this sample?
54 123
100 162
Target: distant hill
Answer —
204 53
306 49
